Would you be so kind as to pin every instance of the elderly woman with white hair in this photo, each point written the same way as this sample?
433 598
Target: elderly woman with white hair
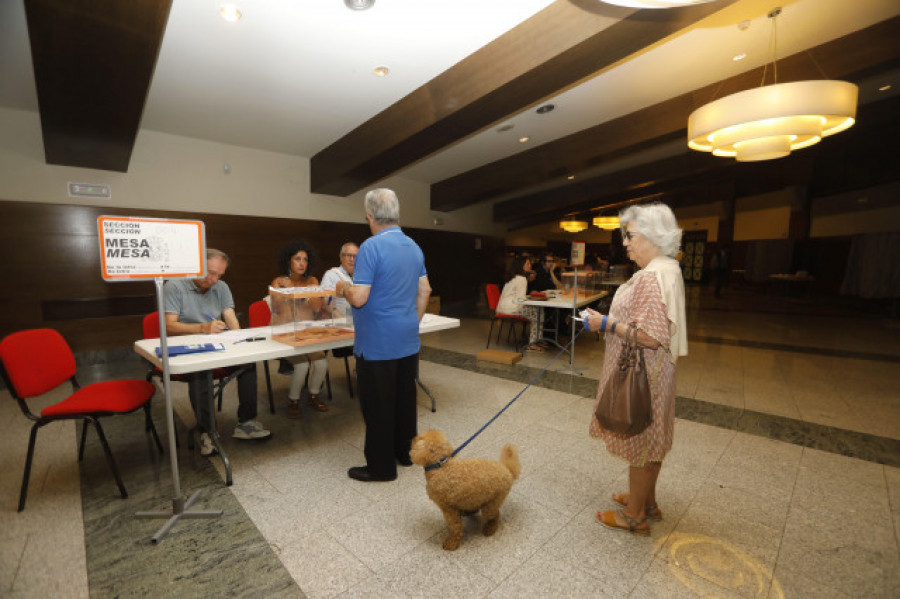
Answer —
652 301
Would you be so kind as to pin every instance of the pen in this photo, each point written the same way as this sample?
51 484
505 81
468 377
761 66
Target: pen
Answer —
211 317
250 339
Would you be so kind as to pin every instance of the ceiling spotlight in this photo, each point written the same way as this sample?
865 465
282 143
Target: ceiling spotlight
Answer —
523 139
545 109
381 71
230 13
505 128
570 177
359 4
740 56
884 88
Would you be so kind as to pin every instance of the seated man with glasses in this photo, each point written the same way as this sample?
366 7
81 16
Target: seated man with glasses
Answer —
546 270
344 272
205 306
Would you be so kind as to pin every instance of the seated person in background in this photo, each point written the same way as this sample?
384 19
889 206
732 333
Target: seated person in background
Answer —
545 275
516 289
344 272
296 260
205 306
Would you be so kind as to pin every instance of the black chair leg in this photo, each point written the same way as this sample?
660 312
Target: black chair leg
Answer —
84 424
269 387
490 332
109 457
149 426
23 494
328 384
350 380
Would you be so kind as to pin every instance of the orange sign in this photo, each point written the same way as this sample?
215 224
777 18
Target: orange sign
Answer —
136 248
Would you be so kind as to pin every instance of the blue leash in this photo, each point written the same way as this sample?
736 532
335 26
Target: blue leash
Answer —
497 415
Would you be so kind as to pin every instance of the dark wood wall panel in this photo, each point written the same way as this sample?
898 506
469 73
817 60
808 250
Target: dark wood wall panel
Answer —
51 266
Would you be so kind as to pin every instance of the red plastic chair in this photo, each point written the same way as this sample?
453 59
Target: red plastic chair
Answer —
39 360
493 298
221 376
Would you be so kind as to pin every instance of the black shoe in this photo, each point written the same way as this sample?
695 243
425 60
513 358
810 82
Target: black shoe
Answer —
362 473
285 367
405 461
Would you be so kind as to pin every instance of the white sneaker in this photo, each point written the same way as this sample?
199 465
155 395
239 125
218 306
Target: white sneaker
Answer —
206 446
250 430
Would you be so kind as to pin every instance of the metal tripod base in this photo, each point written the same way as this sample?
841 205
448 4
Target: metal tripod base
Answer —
179 511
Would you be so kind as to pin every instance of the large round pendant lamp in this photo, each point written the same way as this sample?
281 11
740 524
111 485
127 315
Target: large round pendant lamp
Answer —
769 122
573 226
656 3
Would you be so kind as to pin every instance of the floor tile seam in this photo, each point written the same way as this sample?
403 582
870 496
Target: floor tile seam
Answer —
741 416
800 349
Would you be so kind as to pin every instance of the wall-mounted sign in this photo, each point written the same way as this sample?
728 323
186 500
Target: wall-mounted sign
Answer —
135 248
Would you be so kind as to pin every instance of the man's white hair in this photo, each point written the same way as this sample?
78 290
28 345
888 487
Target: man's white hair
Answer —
383 206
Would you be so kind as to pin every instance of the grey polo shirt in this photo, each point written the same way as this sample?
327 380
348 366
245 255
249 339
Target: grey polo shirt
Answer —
183 298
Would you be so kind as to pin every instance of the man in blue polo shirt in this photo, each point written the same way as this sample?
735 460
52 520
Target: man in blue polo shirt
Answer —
389 294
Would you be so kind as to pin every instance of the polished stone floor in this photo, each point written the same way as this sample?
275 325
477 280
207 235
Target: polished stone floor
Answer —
784 480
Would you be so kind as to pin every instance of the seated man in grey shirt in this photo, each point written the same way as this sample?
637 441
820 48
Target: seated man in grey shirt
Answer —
205 306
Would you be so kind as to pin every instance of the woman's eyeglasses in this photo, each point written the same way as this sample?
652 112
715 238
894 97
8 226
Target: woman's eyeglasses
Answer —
629 235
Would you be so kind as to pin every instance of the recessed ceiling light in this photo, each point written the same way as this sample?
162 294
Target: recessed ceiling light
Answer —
505 128
740 56
523 139
884 88
381 71
230 13
570 177
359 4
545 109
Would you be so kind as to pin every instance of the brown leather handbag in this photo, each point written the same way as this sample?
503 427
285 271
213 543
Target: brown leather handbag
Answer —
624 405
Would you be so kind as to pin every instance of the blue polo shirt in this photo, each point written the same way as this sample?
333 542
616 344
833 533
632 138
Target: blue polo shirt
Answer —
387 326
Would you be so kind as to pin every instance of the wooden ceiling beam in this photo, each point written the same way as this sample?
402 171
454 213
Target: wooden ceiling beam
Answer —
856 53
849 161
93 63
556 48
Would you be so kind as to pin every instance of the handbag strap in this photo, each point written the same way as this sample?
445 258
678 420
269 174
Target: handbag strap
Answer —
632 350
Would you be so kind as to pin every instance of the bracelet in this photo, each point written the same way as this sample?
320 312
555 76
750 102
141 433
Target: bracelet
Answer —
603 323
612 327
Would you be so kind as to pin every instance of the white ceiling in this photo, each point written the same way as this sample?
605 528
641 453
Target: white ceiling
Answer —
293 76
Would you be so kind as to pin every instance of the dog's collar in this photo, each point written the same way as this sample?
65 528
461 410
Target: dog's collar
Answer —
437 464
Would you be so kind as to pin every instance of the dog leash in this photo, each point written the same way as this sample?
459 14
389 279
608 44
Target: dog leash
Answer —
444 459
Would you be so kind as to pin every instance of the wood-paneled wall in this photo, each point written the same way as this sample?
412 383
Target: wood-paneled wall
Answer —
51 266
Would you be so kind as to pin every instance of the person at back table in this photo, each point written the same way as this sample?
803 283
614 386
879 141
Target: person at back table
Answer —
546 275
344 272
205 306
297 259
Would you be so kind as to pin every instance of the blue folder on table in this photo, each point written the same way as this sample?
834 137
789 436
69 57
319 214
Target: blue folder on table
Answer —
193 348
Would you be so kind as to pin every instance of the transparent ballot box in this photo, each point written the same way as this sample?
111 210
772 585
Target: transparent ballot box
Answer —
589 282
307 315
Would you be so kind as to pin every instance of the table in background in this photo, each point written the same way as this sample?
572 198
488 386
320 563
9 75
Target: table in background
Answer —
252 352
564 302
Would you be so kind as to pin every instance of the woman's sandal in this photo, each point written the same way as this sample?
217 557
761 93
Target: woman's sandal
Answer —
294 409
535 347
317 404
608 518
653 512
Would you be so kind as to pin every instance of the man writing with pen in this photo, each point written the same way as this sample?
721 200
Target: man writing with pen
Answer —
205 306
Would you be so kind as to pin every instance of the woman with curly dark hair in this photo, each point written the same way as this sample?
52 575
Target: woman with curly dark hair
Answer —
296 261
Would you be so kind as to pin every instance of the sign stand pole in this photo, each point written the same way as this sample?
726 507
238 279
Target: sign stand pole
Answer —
571 367
180 507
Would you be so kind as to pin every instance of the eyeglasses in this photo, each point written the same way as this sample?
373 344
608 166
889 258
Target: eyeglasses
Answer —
629 235
348 255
